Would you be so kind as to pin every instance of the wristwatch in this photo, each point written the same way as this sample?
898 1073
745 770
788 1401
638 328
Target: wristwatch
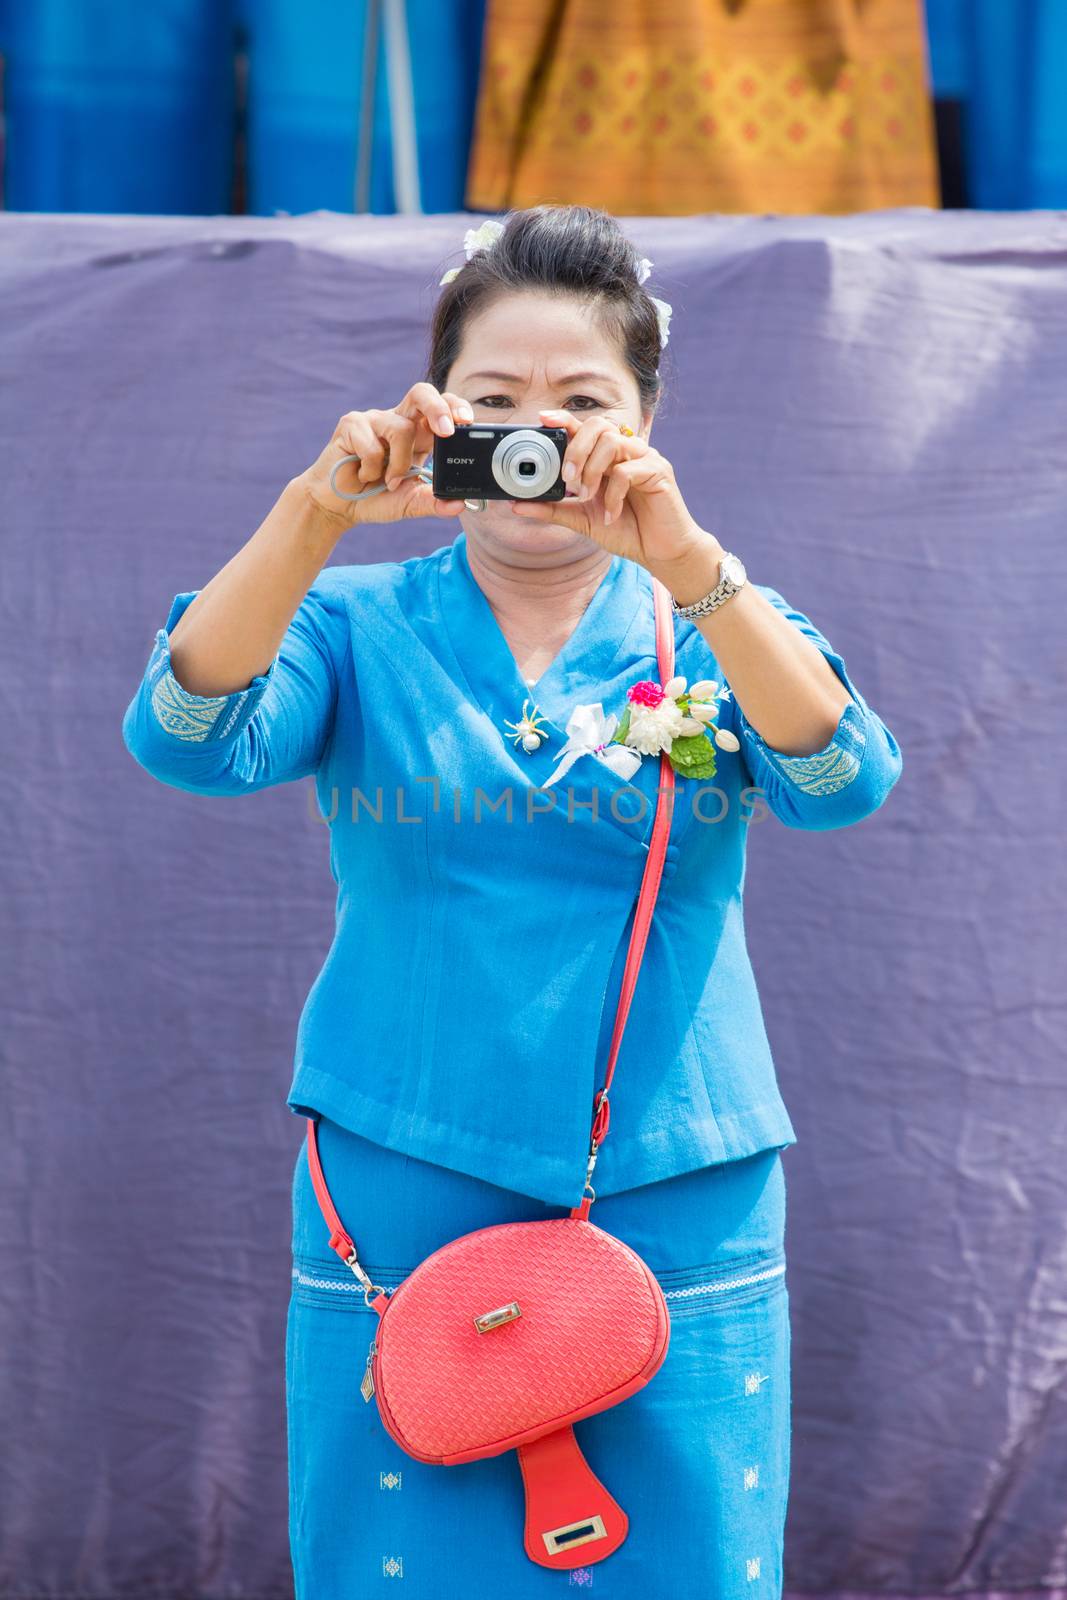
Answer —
732 576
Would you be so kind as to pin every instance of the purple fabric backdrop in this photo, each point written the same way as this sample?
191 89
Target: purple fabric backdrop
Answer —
871 410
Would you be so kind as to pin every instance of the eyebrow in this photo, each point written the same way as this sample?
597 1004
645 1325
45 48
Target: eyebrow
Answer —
571 377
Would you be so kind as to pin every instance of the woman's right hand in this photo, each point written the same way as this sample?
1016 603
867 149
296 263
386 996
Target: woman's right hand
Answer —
388 442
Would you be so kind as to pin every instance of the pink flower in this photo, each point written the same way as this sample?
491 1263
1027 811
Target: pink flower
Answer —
645 693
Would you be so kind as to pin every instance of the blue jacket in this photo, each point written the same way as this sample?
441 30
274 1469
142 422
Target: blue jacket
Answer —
464 1011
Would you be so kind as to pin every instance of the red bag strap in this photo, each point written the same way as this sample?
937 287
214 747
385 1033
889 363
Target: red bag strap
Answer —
650 881
646 900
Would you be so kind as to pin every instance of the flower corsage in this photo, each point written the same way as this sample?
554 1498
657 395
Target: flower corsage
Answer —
667 717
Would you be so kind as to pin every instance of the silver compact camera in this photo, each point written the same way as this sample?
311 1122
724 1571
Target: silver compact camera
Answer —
485 461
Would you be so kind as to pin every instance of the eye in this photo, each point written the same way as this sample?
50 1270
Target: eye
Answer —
489 400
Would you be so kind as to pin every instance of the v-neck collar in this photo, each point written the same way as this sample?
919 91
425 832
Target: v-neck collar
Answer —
577 672
616 630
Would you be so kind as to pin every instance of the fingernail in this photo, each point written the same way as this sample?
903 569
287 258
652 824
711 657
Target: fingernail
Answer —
568 470
608 515
445 423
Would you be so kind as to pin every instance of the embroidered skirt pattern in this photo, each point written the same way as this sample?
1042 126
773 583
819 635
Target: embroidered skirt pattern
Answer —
699 1458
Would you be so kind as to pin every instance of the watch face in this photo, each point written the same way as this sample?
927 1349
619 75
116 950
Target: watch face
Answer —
733 568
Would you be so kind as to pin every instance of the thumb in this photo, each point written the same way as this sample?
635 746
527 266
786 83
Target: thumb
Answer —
424 503
565 512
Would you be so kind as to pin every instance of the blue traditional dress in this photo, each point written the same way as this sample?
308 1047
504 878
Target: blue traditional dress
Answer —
455 1036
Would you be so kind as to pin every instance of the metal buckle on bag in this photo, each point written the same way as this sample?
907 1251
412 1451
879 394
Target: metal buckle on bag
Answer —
495 1319
368 1285
602 1117
591 1163
572 1533
600 1128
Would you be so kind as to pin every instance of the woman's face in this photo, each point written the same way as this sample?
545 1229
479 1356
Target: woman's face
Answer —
527 351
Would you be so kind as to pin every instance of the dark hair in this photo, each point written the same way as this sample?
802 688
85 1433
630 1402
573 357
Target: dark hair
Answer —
563 249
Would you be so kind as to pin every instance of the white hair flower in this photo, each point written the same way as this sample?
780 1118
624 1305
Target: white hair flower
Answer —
663 312
475 239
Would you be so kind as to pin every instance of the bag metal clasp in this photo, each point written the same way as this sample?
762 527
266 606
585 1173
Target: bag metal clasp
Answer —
495 1319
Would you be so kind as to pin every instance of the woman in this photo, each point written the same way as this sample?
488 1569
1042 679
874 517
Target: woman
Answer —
487 866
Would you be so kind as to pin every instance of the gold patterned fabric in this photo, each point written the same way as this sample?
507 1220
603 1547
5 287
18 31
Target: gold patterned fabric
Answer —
670 107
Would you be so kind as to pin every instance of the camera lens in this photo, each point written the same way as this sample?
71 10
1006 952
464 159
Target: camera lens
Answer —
525 464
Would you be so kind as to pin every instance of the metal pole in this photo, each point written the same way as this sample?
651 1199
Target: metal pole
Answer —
402 108
365 145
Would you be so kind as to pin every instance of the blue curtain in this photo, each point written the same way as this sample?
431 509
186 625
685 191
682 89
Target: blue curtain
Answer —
306 70
1006 60
118 106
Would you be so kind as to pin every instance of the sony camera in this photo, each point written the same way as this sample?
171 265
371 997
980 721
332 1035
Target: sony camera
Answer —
485 461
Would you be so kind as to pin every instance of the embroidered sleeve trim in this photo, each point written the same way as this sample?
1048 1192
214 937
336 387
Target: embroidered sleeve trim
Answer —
828 770
197 717
187 716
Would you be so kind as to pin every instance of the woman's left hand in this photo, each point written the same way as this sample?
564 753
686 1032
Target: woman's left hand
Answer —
632 505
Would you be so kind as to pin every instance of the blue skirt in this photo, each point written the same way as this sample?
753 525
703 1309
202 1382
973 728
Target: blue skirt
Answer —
698 1458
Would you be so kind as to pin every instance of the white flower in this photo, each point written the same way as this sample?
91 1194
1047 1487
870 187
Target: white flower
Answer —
674 687
475 239
482 238
663 312
726 740
702 697
690 726
701 713
653 728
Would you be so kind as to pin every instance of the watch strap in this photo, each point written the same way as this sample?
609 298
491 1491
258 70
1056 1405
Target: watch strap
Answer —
714 598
